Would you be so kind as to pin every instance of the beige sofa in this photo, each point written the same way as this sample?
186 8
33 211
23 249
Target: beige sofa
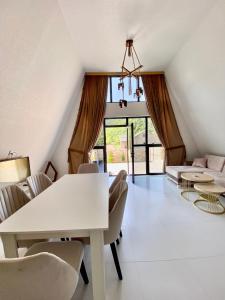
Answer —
215 167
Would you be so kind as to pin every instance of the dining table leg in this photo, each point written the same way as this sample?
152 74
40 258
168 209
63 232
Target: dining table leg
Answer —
9 245
97 264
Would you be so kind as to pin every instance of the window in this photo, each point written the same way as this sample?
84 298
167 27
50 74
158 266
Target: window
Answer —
100 141
152 135
115 95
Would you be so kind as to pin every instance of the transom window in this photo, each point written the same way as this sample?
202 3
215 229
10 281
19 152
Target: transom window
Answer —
115 95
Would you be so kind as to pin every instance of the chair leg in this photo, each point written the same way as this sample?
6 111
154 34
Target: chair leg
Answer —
84 273
117 241
116 260
121 234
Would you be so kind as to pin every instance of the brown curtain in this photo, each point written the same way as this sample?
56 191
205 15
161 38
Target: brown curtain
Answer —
89 120
163 118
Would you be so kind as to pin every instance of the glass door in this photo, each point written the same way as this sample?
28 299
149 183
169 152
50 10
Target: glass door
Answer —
138 126
116 139
130 130
155 151
129 143
97 155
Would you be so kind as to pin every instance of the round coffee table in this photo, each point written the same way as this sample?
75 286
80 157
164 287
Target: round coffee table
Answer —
208 200
188 179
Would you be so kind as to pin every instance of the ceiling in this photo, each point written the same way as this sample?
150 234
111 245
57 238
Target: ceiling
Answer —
159 28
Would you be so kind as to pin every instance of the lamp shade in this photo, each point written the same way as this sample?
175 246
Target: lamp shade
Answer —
14 170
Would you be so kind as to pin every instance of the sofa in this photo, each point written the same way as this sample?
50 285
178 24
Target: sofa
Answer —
215 167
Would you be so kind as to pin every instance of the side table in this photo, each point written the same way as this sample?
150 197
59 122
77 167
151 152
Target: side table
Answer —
188 180
209 200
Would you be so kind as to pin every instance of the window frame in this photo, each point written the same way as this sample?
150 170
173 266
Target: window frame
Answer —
146 145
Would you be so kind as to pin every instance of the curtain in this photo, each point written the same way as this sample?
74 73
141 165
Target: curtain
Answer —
163 118
89 120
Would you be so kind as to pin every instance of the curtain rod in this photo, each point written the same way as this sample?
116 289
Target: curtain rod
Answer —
119 73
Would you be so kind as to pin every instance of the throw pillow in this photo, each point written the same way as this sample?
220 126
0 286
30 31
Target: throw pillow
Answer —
200 162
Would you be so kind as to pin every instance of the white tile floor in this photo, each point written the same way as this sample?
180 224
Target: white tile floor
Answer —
170 250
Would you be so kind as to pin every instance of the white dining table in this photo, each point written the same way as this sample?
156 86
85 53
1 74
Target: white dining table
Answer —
74 206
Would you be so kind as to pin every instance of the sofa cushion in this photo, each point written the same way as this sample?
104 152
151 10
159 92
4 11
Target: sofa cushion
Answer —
215 162
200 162
176 171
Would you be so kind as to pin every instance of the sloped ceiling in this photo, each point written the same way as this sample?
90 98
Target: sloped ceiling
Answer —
39 73
196 78
159 28
46 45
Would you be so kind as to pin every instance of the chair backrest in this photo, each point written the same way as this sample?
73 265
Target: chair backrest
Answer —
88 168
116 213
12 198
41 276
38 183
122 175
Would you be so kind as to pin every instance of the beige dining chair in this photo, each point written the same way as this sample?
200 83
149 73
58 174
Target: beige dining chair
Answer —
88 168
13 198
38 183
72 252
43 275
122 175
115 222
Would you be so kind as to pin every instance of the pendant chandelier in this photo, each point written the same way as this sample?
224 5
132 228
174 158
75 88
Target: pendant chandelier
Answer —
131 56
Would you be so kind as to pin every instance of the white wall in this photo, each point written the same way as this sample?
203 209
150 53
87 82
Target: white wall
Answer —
60 155
39 71
196 78
41 78
133 109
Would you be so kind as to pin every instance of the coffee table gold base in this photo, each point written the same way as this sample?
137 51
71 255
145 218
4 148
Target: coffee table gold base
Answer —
186 193
209 203
188 180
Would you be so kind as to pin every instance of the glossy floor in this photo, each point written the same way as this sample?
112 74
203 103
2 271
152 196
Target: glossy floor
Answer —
170 250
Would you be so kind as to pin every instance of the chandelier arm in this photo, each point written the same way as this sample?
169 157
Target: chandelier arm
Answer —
135 70
133 60
130 86
123 92
124 57
136 56
124 68
129 72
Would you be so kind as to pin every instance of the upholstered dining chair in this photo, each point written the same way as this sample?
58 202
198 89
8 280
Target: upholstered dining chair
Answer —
13 198
72 252
122 175
115 221
43 275
88 168
38 183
